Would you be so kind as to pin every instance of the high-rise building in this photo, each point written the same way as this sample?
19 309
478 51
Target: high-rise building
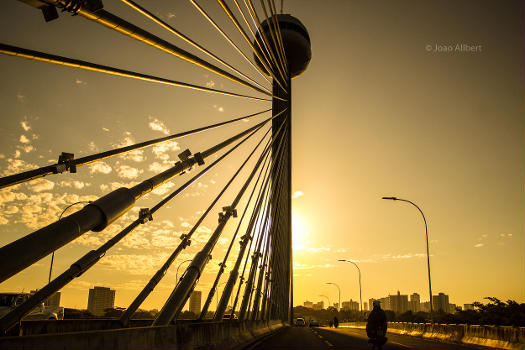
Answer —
365 306
398 303
425 306
414 304
350 305
53 300
319 305
195 302
308 304
385 303
468 307
440 302
100 299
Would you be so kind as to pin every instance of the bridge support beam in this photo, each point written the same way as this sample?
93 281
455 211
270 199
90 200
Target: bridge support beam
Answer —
281 244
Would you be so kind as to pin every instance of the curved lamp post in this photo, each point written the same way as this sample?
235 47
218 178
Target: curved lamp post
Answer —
359 270
327 298
178 267
428 255
60 218
339 290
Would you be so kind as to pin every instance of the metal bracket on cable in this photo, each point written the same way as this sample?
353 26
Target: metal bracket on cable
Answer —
245 238
186 241
73 6
222 266
256 254
65 163
227 211
145 215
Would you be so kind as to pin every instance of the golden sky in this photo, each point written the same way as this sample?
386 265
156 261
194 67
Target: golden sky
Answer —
389 105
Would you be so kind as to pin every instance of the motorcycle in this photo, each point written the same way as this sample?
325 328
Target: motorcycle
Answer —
377 338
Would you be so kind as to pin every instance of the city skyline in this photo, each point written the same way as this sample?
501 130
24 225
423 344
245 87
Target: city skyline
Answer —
378 116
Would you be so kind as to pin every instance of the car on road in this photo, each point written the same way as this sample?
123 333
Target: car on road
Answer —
299 322
229 317
9 301
314 323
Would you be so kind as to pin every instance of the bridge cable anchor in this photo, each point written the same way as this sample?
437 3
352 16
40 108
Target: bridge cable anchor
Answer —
227 211
145 215
186 241
66 161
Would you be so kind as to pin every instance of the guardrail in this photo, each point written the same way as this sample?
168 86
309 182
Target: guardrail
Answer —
500 337
187 336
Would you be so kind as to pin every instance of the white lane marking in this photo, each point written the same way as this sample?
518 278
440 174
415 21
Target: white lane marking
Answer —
329 344
402 345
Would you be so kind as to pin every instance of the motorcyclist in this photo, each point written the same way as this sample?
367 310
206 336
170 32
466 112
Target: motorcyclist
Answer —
376 322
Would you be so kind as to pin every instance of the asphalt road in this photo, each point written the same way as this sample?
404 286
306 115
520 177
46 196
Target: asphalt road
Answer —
323 338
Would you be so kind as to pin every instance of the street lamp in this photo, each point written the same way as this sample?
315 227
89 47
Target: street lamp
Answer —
177 272
428 255
339 290
359 270
60 218
327 298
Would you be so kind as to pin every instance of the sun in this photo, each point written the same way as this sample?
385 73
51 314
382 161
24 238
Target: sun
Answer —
300 232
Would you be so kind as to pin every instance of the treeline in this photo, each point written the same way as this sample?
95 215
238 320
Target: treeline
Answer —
494 312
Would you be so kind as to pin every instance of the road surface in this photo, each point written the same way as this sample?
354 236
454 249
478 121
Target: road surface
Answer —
324 338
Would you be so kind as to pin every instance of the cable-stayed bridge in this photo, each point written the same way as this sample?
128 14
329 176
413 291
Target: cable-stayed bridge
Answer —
260 280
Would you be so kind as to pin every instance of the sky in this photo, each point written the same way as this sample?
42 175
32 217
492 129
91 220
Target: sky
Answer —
420 100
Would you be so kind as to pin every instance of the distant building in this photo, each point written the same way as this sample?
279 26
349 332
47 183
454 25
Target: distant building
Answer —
195 302
336 305
350 305
365 306
398 302
468 307
452 308
319 305
414 304
425 306
99 299
385 303
53 300
371 303
440 302
308 304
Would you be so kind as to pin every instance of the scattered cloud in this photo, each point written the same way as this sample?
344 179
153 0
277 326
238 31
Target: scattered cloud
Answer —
297 194
128 172
161 150
157 167
74 184
210 84
100 167
40 185
105 129
92 147
157 125
80 82
171 15
24 139
164 188
478 245
21 98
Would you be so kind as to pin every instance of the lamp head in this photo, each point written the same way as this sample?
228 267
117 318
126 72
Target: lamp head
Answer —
391 198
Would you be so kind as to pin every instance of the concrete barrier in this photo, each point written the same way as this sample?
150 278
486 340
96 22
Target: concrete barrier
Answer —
183 336
501 337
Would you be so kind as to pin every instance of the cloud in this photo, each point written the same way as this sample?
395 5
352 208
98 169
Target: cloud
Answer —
157 125
40 185
135 155
127 172
92 147
164 188
171 15
21 98
135 264
478 245
297 194
157 167
210 84
105 129
80 82
100 167
24 139
75 184
161 150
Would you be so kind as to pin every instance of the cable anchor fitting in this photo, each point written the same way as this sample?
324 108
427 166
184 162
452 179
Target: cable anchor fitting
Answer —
66 161
186 241
145 215
227 212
